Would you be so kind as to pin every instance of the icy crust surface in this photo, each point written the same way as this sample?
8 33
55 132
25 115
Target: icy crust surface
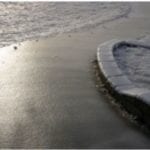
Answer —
135 63
28 20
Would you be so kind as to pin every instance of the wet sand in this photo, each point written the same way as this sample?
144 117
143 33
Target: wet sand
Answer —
48 96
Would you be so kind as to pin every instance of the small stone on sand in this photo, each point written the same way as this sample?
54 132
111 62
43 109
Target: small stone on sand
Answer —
15 47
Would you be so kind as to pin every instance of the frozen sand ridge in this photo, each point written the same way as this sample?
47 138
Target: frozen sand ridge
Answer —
134 99
134 62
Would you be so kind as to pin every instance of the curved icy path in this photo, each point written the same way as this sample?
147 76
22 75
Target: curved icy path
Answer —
48 97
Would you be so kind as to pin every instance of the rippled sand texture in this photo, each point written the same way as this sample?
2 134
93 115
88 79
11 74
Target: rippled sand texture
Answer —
21 21
134 62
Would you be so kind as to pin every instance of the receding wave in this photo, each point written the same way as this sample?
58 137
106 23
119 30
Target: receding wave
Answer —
28 20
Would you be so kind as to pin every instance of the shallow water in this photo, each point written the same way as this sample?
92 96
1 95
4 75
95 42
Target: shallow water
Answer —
23 21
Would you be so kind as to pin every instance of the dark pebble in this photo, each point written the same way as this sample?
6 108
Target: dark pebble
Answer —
15 47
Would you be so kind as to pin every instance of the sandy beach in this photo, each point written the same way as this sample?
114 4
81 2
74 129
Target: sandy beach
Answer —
51 99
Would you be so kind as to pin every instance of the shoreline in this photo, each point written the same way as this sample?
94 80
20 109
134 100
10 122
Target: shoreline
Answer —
51 100
71 29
